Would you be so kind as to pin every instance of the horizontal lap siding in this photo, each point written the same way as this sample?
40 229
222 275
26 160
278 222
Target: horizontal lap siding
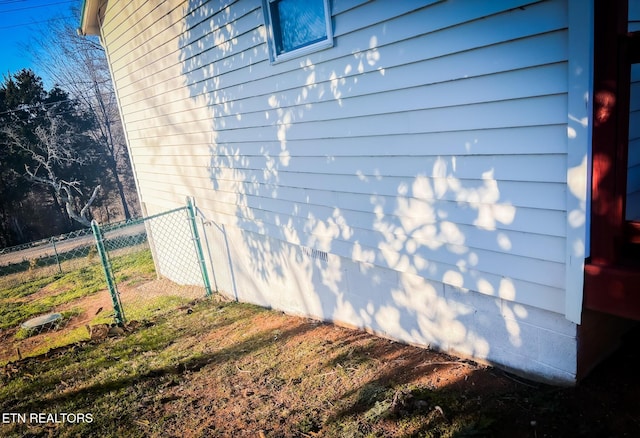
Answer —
433 132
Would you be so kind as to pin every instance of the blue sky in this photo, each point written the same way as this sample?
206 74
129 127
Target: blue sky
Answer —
20 20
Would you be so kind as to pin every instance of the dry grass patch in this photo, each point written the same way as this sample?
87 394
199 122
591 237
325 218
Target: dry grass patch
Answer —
228 369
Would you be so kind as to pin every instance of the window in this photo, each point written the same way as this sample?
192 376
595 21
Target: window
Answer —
297 27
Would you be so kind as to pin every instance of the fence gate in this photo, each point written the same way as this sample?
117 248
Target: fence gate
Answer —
166 245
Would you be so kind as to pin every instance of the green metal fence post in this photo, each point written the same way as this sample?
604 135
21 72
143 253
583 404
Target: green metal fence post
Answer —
55 250
111 284
198 245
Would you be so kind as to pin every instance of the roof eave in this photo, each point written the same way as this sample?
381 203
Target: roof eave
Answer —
89 24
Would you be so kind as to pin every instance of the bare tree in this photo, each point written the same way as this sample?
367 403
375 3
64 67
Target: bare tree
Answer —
52 150
79 65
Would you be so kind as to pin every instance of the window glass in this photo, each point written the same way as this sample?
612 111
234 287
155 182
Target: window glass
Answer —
297 24
633 159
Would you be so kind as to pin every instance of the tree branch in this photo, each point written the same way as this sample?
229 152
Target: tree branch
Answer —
53 148
83 212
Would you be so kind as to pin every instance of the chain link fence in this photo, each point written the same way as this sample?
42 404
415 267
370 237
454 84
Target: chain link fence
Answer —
47 257
44 290
30 301
85 284
171 240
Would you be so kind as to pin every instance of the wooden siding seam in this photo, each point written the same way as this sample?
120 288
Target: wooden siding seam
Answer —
141 32
355 95
346 99
461 248
381 114
349 56
469 204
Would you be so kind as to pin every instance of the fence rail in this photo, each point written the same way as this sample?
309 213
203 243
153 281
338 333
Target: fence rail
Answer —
52 252
137 269
51 256
174 243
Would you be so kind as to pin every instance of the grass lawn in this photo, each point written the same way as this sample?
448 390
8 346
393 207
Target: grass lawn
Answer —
228 369
79 295
190 367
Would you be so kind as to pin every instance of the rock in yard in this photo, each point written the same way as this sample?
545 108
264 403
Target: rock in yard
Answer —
98 331
116 331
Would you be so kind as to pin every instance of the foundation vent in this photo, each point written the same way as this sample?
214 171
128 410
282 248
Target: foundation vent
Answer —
315 254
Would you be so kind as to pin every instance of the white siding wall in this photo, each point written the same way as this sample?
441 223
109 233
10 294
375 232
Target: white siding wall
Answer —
411 180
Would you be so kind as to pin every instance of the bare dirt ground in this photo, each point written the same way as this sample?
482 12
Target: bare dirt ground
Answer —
494 403
91 306
236 371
